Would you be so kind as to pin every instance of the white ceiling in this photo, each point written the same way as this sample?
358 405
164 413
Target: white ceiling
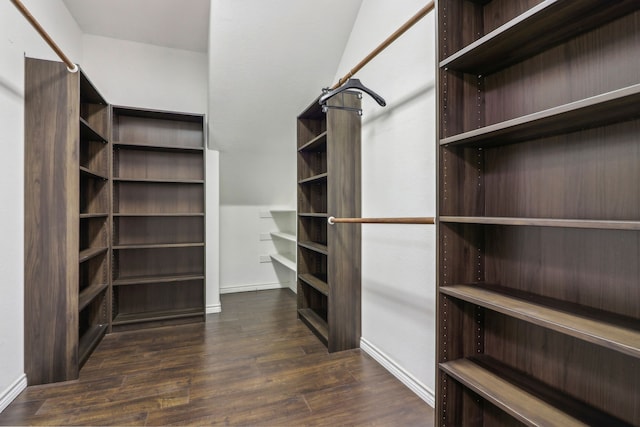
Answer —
179 24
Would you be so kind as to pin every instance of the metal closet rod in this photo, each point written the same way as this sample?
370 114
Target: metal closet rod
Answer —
406 220
400 31
35 24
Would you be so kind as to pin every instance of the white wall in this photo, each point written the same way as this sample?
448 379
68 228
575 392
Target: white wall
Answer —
18 39
398 179
146 76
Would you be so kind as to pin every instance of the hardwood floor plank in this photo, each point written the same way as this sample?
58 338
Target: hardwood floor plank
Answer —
252 364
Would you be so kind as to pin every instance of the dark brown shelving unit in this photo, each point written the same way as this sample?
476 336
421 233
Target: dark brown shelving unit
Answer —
538 213
67 205
158 218
328 261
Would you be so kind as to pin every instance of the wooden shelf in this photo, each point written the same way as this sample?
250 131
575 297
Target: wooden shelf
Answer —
608 108
314 179
544 222
162 181
91 174
622 338
284 236
89 253
89 294
158 246
88 91
149 147
127 281
287 260
317 284
317 247
176 116
89 133
93 215
517 401
313 215
316 323
89 340
168 215
543 26
154 316
318 143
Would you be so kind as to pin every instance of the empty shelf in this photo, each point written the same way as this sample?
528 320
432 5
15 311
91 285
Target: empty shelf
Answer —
89 340
89 133
154 316
611 107
316 283
159 245
607 334
156 279
544 222
318 143
92 174
89 294
284 236
316 247
314 179
515 401
87 254
316 323
285 259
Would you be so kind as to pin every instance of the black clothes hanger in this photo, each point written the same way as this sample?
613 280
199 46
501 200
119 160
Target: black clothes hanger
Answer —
352 84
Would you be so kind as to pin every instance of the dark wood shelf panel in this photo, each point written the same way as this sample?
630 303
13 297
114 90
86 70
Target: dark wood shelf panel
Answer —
149 147
88 91
544 222
128 281
92 174
317 284
89 294
88 133
314 215
89 253
93 215
541 27
595 330
159 246
316 247
150 215
160 181
154 316
319 143
526 406
314 179
89 341
316 323
607 108
121 110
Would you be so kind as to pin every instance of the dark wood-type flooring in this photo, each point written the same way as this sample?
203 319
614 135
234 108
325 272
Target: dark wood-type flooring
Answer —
253 364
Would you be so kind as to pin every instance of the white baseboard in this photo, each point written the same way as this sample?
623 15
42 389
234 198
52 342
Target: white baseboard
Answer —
397 371
7 396
213 308
251 288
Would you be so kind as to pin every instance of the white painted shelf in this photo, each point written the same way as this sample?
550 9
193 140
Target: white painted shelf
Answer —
287 260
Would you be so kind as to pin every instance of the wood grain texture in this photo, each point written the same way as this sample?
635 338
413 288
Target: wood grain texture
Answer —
252 364
159 223
537 187
51 222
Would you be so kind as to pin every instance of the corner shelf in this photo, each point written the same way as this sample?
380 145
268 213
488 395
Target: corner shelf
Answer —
87 254
87 132
316 247
316 144
287 260
159 246
316 179
318 284
316 323
92 174
89 294
155 316
151 147
89 341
